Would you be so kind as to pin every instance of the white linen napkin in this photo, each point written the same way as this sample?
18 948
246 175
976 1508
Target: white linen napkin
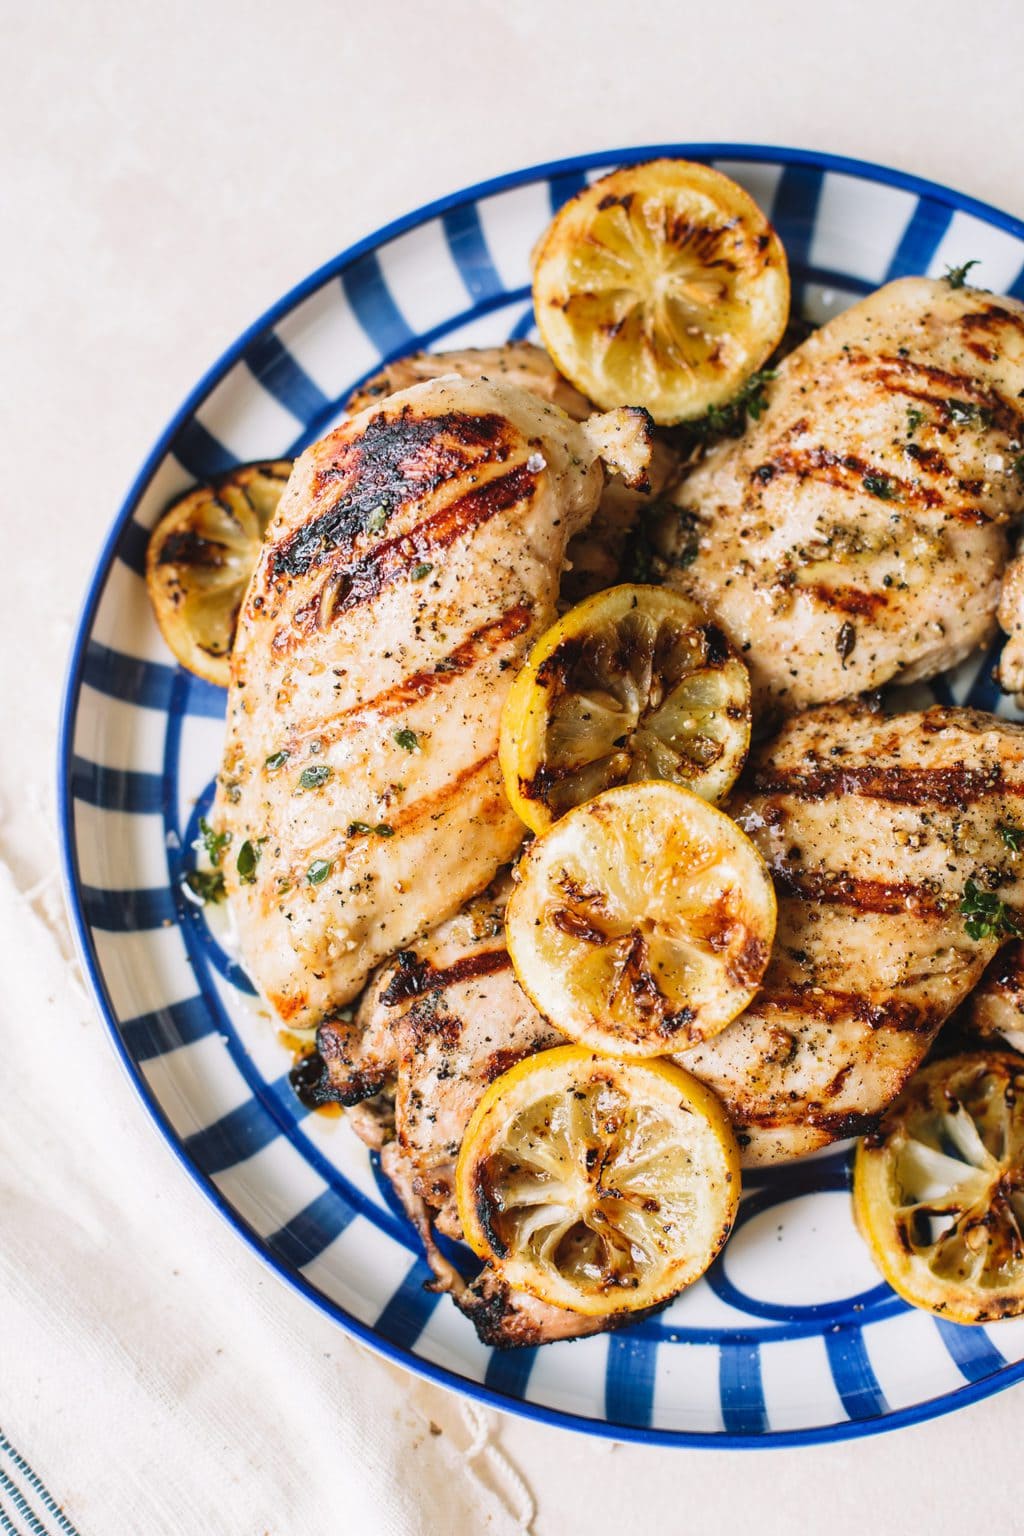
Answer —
154 1377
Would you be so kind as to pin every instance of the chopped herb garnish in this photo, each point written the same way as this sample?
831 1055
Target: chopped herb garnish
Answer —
963 412
210 842
988 917
275 761
1012 836
881 486
419 571
376 520
956 277
315 777
407 740
1017 466
914 420
729 420
207 884
363 829
248 858
318 871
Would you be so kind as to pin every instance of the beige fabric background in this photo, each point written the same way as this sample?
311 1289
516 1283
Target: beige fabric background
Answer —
166 171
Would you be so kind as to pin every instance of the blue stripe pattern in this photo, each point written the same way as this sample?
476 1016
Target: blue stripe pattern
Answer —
468 245
271 1110
243 1131
921 239
629 1379
971 1350
168 1028
37 1486
561 188
375 309
282 377
508 1371
741 1388
314 1229
116 789
126 911
147 683
24 1510
856 1382
407 1313
131 548
198 451
795 210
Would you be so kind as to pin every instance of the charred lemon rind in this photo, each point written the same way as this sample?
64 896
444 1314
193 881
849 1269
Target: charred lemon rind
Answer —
938 1189
199 560
595 1185
633 683
661 285
642 922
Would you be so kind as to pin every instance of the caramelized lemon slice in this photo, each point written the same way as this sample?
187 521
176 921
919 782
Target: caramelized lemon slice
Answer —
661 285
635 683
939 1189
642 922
597 1185
200 557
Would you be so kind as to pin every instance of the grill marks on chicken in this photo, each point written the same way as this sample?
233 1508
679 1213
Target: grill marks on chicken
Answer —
413 559
856 533
872 828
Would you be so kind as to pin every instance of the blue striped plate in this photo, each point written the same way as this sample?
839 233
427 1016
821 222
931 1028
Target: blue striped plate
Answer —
791 1337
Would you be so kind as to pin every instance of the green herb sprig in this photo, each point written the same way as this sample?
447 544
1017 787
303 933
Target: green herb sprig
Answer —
988 917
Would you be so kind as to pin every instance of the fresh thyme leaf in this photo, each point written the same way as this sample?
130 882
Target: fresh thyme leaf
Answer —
363 829
210 842
315 777
988 917
914 420
407 740
419 571
963 412
729 420
207 884
881 486
318 871
248 858
275 761
956 277
1012 835
383 830
376 520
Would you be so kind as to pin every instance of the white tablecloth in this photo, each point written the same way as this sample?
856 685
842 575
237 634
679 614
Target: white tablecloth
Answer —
165 172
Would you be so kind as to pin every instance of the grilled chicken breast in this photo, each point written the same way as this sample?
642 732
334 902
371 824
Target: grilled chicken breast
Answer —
435 1027
857 532
872 827
598 556
996 1006
413 559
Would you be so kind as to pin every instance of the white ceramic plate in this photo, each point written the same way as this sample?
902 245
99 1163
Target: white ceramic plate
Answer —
791 1336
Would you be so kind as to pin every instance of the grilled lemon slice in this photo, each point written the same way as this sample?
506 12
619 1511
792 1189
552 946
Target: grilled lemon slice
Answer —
597 1185
200 557
939 1189
661 285
634 683
642 922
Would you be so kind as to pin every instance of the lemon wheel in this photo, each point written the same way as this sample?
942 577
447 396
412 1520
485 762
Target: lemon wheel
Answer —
939 1189
635 683
642 922
199 560
597 1185
661 285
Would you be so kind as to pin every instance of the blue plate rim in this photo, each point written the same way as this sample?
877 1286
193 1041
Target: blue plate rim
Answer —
949 1402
